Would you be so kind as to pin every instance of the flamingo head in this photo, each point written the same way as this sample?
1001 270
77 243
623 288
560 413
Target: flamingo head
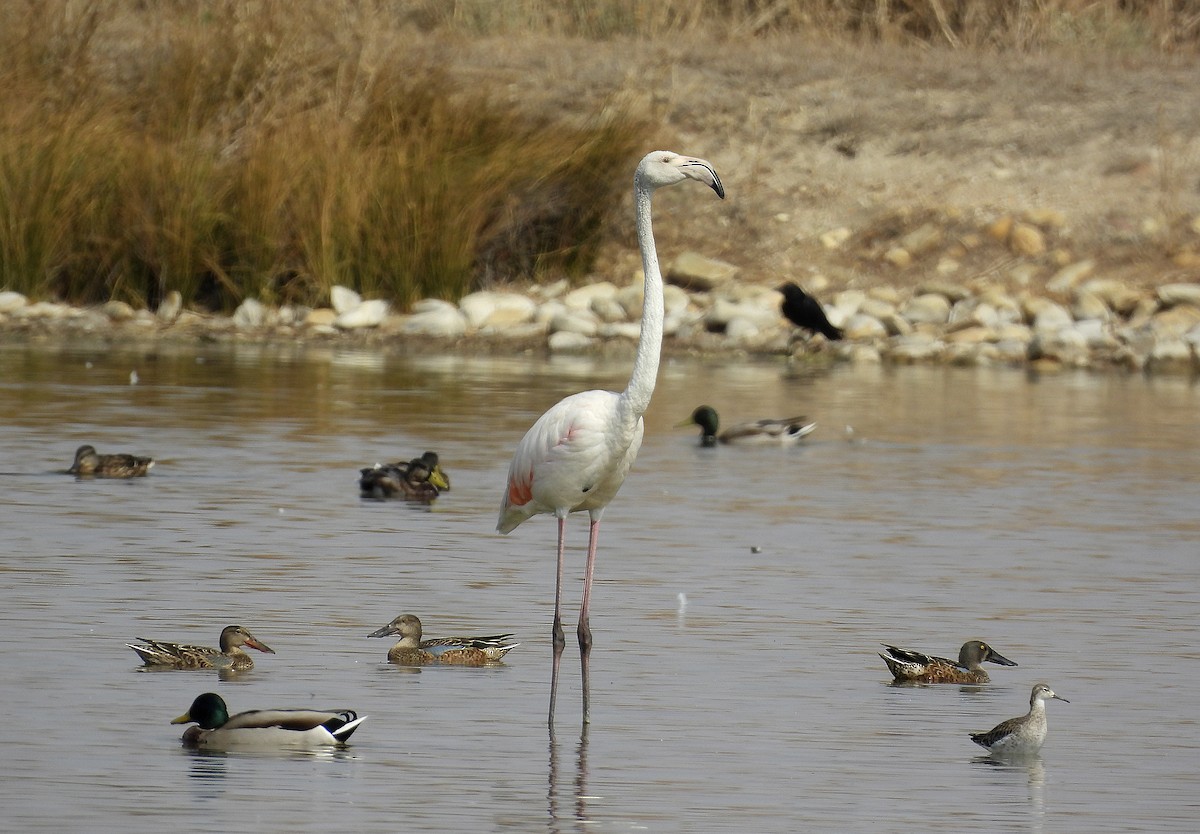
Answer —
659 168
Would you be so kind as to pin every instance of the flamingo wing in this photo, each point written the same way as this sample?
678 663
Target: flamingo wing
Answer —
574 457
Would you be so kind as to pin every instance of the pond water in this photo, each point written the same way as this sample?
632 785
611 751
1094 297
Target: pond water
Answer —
741 597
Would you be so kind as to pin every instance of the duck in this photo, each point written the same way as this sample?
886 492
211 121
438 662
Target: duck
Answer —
432 460
783 432
411 650
159 654
89 463
1022 736
417 480
264 728
913 667
802 310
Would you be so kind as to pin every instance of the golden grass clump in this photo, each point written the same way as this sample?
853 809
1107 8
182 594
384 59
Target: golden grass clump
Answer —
238 149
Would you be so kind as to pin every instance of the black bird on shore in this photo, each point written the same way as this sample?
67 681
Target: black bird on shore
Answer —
802 310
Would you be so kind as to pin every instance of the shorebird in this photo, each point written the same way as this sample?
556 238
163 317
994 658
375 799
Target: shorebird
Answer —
1022 736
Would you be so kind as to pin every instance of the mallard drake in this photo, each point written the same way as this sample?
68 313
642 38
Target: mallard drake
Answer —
183 656
416 480
264 728
467 651
921 668
1022 736
802 310
88 462
783 432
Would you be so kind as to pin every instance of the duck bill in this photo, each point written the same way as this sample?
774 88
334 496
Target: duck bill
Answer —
262 647
995 657
382 632
438 480
684 423
186 718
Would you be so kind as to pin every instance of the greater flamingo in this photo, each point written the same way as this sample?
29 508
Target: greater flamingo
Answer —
575 457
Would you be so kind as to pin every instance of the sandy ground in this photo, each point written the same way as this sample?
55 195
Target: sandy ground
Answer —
812 136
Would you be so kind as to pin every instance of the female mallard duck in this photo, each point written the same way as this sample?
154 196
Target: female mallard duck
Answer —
264 728
783 432
87 462
411 650
417 480
915 667
182 656
1022 736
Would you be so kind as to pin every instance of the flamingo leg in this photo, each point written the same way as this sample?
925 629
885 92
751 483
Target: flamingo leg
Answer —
585 631
559 639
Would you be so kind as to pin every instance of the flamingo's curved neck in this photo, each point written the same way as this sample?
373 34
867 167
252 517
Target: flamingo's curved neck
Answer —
645 364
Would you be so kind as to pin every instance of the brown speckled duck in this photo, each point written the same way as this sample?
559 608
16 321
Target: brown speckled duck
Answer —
89 463
411 650
182 656
909 666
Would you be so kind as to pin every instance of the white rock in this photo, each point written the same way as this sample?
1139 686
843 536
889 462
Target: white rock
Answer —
1172 294
917 347
697 272
441 320
723 311
608 310
1116 294
675 299
321 317
565 341
429 305
1095 333
1088 306
930 308
548 311
250 313
861 326
1051 317
896 324
741 330
343 299
1171 353
877 308
630 298
581 297
834 238
367 314
10 300
575 321
858 353
117 310
622 330
1066 278
483 309
170 307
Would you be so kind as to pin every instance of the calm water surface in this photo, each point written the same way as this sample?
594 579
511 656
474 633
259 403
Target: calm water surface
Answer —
741 598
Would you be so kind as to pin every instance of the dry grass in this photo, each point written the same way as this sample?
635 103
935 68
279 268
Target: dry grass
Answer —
233 149
236 148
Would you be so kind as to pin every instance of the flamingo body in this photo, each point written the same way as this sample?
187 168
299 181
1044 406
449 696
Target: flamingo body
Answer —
577 454
575 457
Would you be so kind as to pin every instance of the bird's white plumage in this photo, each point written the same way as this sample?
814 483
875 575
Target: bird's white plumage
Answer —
577 454
575 457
